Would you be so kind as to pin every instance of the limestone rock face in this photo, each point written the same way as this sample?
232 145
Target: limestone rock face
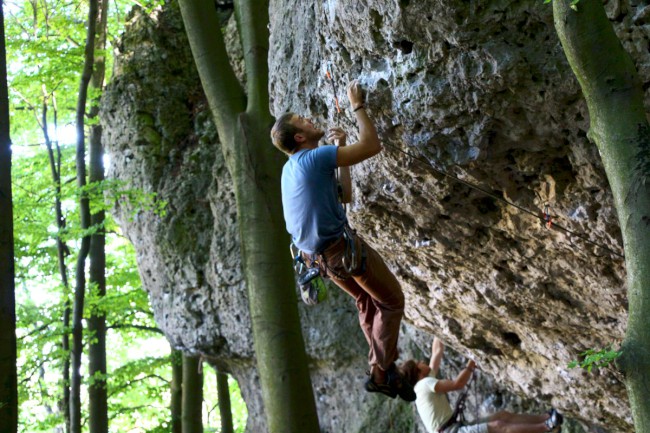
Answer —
483 92
479 90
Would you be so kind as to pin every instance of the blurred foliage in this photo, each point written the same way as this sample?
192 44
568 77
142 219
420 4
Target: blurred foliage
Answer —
45 55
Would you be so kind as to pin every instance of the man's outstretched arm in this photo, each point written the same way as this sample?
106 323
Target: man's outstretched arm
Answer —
437 352
459 382
368 144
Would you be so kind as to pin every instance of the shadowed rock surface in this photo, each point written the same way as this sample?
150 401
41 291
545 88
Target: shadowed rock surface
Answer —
480 90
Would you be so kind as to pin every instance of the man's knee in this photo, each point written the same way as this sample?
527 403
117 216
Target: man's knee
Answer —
364 302
400 299
502 415
386 290
395 302
497 426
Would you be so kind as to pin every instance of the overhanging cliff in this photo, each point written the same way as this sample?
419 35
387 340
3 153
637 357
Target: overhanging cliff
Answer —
480 90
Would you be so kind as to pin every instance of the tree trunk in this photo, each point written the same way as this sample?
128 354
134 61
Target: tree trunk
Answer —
177 391
62 252
223 392
192 395
98 406
8 374
620 129
255 168
97 393
84 210
65 345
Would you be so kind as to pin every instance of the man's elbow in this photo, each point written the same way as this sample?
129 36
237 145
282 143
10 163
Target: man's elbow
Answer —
375 148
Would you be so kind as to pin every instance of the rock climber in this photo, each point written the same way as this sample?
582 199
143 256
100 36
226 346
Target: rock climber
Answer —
436 412
316 220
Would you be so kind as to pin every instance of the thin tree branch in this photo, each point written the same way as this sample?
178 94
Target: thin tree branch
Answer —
84 210
140 379
139 327
36 330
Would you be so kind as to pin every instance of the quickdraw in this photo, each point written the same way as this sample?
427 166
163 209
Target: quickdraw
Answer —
351 258
331 80
546 216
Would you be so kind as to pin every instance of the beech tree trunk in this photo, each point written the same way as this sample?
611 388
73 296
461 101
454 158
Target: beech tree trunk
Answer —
8 374
65 345
223 393
62 251
177 391
98 405
243 122
620 129
97 393
192 395
84 210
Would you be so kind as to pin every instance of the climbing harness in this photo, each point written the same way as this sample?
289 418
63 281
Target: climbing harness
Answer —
310 277
458 416
312 287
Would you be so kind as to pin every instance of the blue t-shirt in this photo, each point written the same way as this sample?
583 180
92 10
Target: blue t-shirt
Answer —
312 211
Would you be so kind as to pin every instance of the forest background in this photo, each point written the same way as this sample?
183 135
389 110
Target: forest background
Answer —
45 60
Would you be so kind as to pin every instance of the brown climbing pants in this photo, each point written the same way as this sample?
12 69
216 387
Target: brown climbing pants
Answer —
378 296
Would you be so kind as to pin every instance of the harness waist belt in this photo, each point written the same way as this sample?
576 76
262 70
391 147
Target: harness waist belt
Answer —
329 244
451 421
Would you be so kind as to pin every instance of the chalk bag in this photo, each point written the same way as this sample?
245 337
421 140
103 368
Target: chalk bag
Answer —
312 286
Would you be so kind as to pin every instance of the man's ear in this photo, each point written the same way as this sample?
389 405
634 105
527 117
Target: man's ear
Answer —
299 138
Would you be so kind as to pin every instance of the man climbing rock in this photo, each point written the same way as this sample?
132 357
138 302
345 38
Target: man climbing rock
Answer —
437 415
316 220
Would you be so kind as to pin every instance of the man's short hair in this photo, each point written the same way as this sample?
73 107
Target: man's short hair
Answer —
283 133
410 371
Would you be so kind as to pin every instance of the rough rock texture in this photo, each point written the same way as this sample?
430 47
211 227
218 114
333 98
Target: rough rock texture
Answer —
481 90
160 139
478 89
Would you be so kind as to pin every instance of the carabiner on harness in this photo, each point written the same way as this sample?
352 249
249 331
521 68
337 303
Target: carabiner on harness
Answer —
350 260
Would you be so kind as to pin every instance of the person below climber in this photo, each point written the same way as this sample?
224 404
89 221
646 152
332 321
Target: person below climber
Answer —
318 226
436 412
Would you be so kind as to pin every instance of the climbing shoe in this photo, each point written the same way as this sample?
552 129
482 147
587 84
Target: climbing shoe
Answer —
554 421
383 388
397 382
